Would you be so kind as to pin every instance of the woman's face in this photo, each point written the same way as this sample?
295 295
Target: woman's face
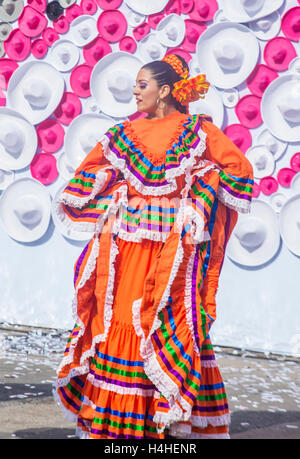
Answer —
147 92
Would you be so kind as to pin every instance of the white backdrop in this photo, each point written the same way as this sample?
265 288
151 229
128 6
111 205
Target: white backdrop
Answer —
258 308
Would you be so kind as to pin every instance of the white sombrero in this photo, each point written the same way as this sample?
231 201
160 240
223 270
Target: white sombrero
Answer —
212 105
64 168
275 146
6 178
280 107
18 140
255 239
227 53
294 66
83 134
277 200
25 210
134 19
146 6
289 224
171 30
35 90
64 55
295 183
249 10
262 161
230 97
82 30
150 48
112 81
267 27
65 229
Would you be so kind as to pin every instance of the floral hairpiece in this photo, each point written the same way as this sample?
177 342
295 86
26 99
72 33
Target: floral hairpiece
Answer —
187 89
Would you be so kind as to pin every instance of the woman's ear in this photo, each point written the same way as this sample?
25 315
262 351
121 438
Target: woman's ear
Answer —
164 91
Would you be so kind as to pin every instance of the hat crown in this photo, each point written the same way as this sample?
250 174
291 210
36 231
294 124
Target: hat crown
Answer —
36 92
264 24
229 55
64 55
120 84
29 211
12 138
252 6
251 233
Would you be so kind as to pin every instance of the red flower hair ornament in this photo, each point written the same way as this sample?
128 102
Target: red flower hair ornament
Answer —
188 89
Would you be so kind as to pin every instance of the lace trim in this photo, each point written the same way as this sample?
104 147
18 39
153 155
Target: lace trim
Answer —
70 224
179 429
119 389
170 174
140 234
78 202
188 299
240 205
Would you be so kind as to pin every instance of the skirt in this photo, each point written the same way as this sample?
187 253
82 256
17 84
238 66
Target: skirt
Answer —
115 399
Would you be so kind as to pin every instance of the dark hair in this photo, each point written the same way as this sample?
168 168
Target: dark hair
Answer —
164 73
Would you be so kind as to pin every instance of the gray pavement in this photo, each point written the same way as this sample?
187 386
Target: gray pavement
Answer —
263 393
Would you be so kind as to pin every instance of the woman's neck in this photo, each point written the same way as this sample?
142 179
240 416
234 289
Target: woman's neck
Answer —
161 112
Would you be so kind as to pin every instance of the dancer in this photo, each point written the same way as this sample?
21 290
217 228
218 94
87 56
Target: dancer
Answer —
161 195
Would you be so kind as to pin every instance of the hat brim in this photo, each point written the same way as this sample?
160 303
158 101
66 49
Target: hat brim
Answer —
289 230
212 105
16 99
7 161
234 12
87 123
145 6
57 62
9 220
258 257
208 63
114 62
271 115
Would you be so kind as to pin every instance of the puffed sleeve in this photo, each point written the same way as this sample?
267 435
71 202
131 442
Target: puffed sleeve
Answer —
236 172
88 194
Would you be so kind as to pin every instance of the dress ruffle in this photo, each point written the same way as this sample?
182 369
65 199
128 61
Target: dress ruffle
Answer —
139 362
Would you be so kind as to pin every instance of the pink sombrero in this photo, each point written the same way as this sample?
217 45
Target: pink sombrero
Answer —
39 5
186 6
61 25
43 168
112 25
290 24
285 176
248 111
73 12
7 68
268 185
140 31
88 6
94 51
68 109
204 10
154 19
80 80
194 30
128 44
50 36
109 4
256 190
240 136
295 162
50 135
39 48
17 46
278 53
260 78
32 22
173 7
180 52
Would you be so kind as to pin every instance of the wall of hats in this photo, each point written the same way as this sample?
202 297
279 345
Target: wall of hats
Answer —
66 73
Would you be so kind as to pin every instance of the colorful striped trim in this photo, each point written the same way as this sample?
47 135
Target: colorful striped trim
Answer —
146 177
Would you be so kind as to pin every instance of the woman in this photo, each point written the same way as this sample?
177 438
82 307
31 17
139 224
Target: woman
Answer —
161 195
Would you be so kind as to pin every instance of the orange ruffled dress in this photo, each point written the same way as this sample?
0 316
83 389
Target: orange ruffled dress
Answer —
161 197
